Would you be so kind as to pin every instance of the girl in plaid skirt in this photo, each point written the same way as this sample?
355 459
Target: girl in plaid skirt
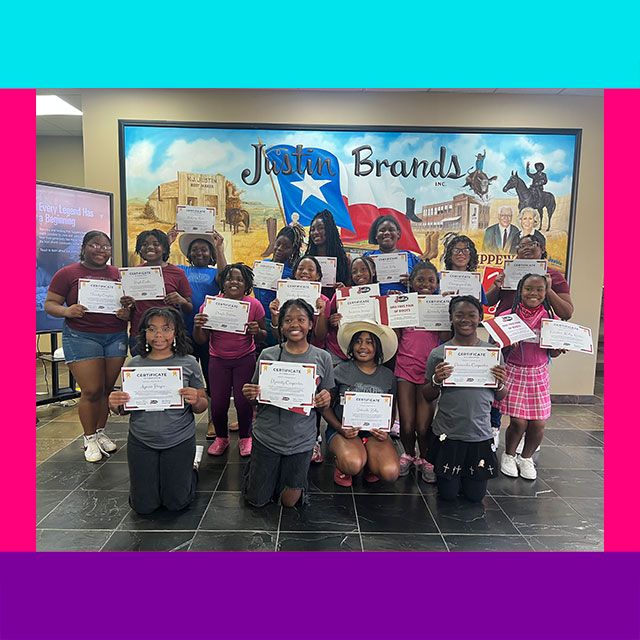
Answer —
528 400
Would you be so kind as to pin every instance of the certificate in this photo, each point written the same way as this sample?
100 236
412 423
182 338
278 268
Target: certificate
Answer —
515 269
558 334
287 385
398 311
99 296
291 289
390 266
433 313
152 388
266 274
328 266
358 308
471 366
367 290
367 410
506 330
226 315
195 219
143 283
462 283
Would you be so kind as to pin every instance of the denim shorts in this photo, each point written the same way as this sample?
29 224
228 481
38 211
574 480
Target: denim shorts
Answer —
269 473
85 345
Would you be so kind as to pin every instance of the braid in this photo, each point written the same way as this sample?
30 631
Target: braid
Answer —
295 233
333 244
518 297
246 271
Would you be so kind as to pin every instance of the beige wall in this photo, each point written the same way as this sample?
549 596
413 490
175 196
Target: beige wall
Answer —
571 374
59 159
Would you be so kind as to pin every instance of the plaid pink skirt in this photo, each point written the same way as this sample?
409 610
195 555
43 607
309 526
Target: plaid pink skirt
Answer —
528 393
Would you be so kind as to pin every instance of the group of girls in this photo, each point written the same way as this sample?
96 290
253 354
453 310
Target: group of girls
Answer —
457 452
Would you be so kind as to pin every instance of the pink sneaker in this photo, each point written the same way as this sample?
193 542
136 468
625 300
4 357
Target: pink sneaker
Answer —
244 444
218 447
405 464
426 470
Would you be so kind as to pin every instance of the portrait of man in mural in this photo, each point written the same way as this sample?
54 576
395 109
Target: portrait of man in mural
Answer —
501 237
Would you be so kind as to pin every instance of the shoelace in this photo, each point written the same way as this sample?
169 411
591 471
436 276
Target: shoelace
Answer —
100 447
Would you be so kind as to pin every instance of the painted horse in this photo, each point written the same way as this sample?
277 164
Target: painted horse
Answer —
528 198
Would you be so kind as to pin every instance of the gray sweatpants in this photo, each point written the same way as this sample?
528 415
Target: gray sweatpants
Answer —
161 477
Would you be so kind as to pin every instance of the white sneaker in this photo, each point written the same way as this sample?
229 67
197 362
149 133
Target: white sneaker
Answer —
527 468
106 444
508 465
496 436
92 451
198 457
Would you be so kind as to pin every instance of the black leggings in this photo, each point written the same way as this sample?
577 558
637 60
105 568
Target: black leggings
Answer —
473 490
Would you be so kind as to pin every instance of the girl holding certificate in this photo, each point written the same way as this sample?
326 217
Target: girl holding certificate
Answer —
204 252
94 344
414 348
284 438
232 358
161 448
368 345
286 251
153 247
528 402
461 255
324 240
385 232
363 272
461 449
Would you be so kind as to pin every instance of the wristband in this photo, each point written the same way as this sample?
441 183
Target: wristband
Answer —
274 326
433 381
501 387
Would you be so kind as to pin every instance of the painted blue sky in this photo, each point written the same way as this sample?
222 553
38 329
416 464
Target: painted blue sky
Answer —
155 154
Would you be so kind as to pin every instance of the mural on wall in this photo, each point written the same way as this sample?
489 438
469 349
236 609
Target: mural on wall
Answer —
491 185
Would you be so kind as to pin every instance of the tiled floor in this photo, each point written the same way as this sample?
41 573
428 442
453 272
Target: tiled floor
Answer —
83 506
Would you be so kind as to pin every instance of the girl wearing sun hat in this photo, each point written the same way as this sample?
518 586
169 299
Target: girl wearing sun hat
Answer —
367 346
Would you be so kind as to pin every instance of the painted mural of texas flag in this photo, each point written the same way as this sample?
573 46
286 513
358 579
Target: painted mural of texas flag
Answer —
355 202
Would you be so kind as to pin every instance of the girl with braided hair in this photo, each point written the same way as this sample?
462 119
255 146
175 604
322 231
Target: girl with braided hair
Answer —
287 250
528 401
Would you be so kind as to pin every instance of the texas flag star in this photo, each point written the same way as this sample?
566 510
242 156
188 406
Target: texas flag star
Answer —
311 187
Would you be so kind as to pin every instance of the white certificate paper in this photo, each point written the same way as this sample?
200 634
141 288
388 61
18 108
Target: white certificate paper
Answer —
195 219
152 388
558 334
99 296
143 283
358 308
226 315
390 266
266 274
506 330
515 269
471 366
434 313
290 289
367 410
287 385
462 283
367 290
398 311
328 266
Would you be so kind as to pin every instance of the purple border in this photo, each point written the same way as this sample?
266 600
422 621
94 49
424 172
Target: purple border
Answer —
268 595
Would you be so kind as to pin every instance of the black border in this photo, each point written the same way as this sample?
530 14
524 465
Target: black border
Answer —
86 190
577 133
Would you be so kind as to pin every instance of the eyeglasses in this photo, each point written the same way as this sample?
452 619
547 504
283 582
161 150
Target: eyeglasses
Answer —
104 247
164 330
463 250
524 245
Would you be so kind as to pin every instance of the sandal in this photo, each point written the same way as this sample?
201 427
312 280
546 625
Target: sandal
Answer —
342 479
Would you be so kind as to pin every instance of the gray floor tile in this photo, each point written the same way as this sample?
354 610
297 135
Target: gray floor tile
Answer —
89 510
566 543
325 512
78 540
307 541
573 483
486 543
149 541
47 500
234 541
228 512
403 542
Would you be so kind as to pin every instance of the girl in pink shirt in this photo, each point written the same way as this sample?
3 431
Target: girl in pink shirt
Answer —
232 358
528 400
414 347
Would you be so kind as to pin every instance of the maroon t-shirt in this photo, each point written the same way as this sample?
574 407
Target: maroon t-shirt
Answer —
174 280
65 284
505 302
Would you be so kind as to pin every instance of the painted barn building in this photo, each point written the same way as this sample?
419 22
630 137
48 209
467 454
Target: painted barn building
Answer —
463 213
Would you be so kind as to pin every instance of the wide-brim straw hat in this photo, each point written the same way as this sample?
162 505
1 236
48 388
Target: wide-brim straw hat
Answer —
387 336
186 239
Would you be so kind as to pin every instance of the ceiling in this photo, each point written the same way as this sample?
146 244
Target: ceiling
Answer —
72 125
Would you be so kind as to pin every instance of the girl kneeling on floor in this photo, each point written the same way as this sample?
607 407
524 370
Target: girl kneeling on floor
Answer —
462 448
161 449
283 440
367 346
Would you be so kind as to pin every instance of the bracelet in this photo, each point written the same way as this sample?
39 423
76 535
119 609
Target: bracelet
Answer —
501 387
433 381
274 326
